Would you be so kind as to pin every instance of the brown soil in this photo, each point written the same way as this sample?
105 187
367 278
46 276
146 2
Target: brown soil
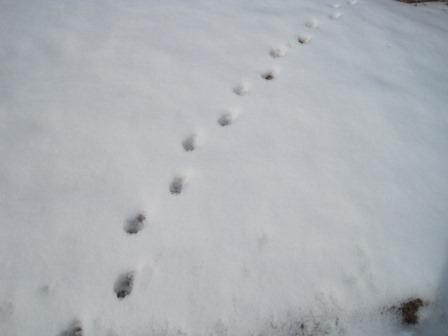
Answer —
409 309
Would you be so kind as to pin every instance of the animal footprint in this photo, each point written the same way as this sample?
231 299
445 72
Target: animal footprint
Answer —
177 185
75 329
270 75
242 89
226 119
278 52
352 2
335 15
136 224
304 38
312 23
124 285
335 5
190 143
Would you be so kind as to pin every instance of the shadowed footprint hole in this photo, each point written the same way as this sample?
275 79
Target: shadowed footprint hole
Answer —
304 38
226 119
190 143
268 75
278 52
75 329
135 224
271 74
124 285
312 23
335 15
242 89
177 185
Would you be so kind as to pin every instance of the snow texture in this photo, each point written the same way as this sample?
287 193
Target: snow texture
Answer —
189 168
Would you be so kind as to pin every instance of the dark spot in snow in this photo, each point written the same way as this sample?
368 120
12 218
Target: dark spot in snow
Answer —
189 144
75 329
408 310
124 285
268 76
304 39
136 224
225 120
177 185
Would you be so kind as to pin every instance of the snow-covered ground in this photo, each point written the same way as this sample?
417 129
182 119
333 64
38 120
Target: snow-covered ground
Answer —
287 188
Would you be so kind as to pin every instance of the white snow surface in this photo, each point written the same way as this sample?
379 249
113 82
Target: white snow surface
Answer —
308 204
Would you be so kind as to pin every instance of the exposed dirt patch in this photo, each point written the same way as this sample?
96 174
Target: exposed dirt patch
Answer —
408 310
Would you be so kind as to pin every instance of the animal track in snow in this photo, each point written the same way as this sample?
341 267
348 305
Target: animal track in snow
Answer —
177 185
226 119
75 329
190 143
335 15
352 2
278 52
304 38
335 5
135 225
268 75
242 89
271 74
312 23
124 285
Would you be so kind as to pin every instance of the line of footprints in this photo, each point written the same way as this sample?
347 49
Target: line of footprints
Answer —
125 282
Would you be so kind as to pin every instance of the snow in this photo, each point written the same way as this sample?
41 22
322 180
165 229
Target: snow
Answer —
306 204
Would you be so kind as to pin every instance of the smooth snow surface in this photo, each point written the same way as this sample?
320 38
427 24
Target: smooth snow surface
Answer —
155 180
